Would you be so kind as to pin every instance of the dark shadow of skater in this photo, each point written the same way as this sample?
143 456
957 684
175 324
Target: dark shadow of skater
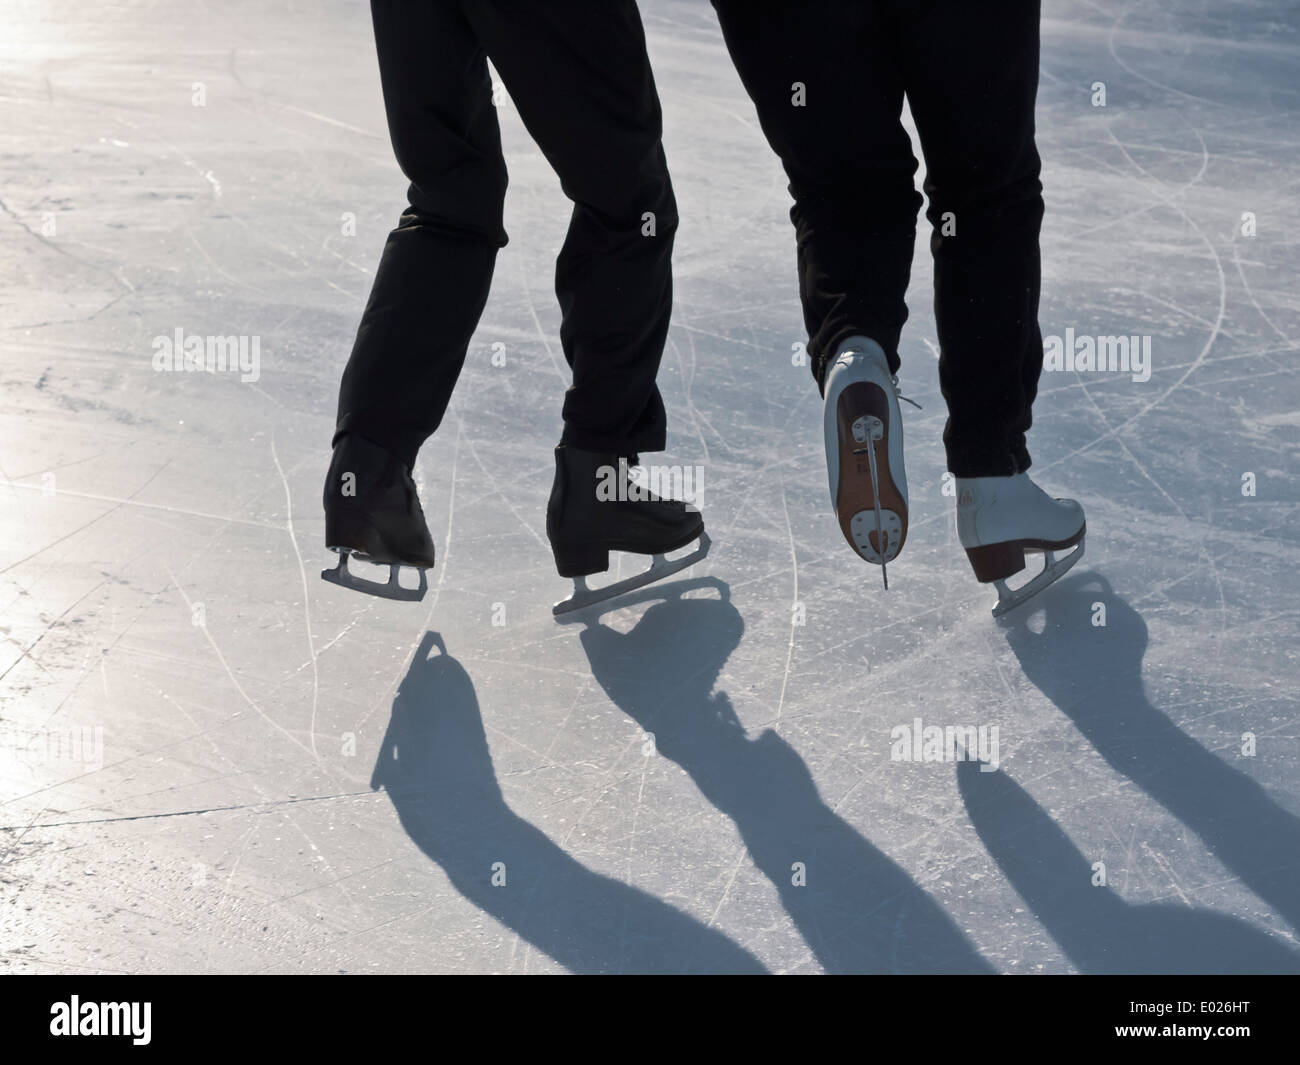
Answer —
435 766
1094 675
859 911
1099 931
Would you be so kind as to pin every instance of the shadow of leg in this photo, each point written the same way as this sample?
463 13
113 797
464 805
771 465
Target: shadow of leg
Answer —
1094 675
1095 927
859 911
435 766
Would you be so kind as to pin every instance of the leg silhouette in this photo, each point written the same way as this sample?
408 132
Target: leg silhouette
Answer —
859 911
435 766
1094 675
1099 931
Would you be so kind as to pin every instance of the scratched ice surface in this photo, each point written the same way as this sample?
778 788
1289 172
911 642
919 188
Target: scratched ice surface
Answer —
294 778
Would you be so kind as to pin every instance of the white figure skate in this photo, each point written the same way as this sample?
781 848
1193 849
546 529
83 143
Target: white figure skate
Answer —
864 451
1001 518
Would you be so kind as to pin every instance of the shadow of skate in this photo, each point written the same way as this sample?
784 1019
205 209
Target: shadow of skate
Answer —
1094 675
435 766
1098 930
859 911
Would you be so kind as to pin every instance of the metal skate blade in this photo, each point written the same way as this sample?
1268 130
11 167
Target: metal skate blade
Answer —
661 567
1053 570
345 578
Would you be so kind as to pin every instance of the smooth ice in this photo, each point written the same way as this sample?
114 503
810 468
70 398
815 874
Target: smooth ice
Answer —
272 774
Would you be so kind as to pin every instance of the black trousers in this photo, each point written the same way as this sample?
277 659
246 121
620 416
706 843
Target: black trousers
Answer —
577 71
828 78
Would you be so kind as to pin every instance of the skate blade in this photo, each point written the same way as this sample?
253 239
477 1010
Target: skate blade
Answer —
345 578
867 501
1053 570
660 568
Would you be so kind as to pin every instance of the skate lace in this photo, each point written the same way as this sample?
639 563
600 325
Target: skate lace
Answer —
898 392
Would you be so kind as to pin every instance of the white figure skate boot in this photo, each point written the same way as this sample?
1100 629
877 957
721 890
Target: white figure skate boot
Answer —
864 451
1000 518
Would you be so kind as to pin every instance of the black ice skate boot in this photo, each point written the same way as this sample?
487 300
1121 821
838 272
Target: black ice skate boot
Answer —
596 508
372 511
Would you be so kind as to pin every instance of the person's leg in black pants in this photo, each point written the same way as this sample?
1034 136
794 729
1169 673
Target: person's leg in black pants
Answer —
846 153
972 80
433 278
579 74
829 93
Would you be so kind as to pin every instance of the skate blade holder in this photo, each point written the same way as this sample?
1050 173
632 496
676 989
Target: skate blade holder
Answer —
345 578
1053 570
660 567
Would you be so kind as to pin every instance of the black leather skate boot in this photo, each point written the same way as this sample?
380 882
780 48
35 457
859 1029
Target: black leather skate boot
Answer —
595 509
372 509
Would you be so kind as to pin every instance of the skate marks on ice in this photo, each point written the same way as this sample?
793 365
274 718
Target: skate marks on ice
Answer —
1094 676
858 910
435 766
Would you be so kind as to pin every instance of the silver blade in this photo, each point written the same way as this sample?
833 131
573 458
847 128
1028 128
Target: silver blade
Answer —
875 499
345 578
660 568
1053 570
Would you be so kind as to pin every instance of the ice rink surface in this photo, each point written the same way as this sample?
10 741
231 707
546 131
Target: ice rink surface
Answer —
276 775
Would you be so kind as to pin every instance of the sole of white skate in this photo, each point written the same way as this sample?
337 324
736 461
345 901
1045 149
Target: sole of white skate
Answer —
868 503
345 578
660 567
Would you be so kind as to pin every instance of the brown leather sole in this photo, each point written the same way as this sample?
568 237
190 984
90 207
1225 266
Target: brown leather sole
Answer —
853 493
